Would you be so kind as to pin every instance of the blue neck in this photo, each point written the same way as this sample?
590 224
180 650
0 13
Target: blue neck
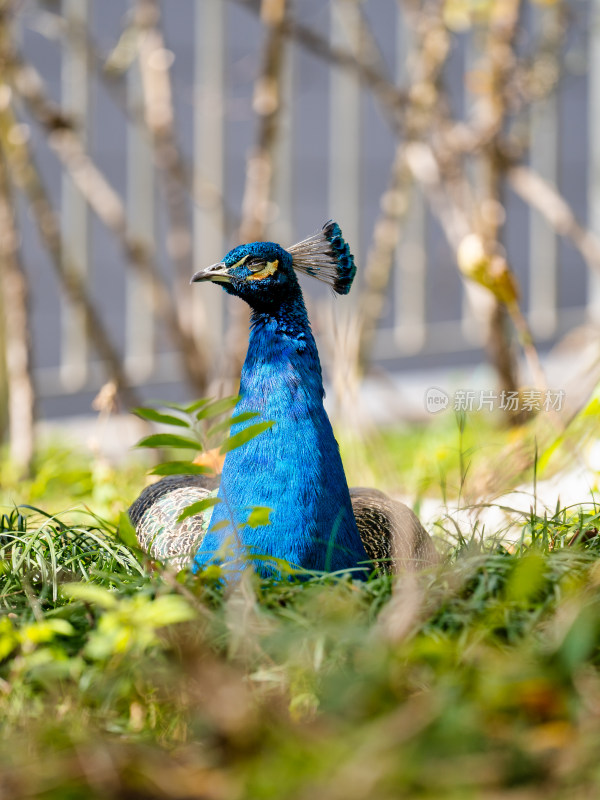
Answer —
295 467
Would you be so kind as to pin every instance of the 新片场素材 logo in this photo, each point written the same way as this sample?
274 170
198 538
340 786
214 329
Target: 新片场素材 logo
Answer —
436 400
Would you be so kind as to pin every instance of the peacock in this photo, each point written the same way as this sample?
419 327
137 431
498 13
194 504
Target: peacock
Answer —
317 523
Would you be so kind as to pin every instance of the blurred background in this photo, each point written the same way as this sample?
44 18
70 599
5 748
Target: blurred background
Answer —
457 143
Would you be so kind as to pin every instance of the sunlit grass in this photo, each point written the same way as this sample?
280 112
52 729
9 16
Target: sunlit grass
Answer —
476 678
67 479
489 657
420 459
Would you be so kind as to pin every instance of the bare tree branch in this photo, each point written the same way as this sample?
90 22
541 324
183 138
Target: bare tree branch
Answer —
107 205
413 161
266 103
391 99
27 178
545 198
380 259
491 112
154 63
110 71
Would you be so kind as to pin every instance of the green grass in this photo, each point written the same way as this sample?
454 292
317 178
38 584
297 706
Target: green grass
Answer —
480 675
475 679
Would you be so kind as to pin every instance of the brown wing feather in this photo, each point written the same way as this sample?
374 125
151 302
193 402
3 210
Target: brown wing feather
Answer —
391 532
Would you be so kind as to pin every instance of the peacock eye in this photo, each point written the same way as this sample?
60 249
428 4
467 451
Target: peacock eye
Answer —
254 264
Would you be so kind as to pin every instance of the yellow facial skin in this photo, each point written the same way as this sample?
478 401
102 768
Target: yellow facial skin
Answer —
269 269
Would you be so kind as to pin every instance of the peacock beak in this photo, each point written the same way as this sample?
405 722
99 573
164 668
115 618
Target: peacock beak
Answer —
217 273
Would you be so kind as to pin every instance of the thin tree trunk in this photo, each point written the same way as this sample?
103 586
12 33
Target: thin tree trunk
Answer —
17 344
428 57
493 112
502 355
266 103
3 379
160 121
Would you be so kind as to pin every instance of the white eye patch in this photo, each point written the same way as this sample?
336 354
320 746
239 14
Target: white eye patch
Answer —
240 262
269 268
255 263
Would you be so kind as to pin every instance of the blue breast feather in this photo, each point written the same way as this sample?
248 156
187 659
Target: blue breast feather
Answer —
295 467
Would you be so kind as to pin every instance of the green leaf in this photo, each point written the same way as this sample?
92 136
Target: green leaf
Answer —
45 630
240 438
259 516
8 643
527 579
218 407
580 640
89 593
181 468
156 416
175 406
227 423
169 440
197 404
165 610
197 508
212 572
221 525
126 531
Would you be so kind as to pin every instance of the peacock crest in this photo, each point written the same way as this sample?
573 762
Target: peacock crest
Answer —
326 256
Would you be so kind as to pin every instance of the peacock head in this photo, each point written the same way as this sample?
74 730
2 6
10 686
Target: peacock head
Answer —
260 273
263 273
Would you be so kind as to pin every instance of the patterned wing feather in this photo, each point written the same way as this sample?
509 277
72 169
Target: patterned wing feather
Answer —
154 516
391 534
